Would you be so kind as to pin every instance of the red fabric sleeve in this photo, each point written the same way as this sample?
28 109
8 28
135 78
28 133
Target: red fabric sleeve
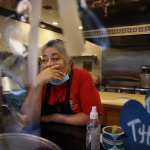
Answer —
89 95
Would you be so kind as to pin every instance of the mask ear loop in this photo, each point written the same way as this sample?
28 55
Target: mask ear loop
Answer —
70 66
39 63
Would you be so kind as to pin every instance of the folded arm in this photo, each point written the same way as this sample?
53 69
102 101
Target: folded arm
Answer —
73 119
31 108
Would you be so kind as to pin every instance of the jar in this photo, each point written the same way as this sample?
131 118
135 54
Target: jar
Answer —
145 77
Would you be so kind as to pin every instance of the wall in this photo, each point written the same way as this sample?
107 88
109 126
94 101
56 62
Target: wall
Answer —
91 60
19 30
95 50
9 4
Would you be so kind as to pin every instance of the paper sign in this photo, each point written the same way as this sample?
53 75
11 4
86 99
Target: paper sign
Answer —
147 101
135 121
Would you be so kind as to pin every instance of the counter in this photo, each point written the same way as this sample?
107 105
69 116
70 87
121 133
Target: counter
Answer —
112 103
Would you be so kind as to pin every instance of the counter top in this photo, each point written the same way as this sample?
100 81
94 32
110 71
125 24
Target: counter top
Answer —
119 99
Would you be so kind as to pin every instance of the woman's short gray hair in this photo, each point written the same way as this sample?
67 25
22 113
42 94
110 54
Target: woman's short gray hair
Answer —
57 44
60 46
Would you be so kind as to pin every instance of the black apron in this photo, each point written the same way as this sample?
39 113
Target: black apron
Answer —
68 137
63 107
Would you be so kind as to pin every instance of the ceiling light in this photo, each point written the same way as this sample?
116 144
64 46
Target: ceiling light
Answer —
80 28
55 23
42 26
23 18
47 7
135 0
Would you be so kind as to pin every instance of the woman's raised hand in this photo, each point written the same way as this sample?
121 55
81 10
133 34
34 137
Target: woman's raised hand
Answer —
49 74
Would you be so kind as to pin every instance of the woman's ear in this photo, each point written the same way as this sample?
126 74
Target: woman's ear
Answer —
71 62
39 64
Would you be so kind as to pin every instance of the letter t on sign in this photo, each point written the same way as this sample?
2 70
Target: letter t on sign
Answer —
132 124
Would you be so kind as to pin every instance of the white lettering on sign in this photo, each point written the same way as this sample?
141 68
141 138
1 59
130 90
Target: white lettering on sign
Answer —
145 134
143 131
148 104
132 124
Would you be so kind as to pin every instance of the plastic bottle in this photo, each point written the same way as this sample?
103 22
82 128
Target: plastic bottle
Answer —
93 131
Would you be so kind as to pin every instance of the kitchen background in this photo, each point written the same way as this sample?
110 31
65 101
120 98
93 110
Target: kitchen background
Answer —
116 61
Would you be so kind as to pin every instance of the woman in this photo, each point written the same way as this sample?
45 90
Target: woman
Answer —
67 93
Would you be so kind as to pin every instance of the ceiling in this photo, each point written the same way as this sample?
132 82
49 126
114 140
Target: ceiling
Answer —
109 13
49 10
122 12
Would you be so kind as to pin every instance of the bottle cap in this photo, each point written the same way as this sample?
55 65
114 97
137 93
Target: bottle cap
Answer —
93 113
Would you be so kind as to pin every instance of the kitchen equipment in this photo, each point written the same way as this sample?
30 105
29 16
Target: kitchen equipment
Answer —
121 81
9 85
10 121
145 77
21 141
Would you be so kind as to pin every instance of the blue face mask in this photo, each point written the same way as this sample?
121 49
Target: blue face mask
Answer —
59 82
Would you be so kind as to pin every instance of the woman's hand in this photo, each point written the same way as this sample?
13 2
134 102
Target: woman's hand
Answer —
49 74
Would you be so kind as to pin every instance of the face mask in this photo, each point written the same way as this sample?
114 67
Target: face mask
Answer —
59 82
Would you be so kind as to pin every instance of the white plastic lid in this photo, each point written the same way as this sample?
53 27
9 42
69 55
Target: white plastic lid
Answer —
93 113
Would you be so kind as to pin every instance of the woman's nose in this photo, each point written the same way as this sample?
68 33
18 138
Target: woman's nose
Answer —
50 63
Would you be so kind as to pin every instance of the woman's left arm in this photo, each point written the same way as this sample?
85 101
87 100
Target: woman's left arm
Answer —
72 119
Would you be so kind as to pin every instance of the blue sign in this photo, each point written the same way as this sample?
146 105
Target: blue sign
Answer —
135 121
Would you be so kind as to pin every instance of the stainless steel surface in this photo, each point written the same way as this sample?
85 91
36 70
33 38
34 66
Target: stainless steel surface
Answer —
141 90
21 141
124 63
131 90
9 85
10 121
122 81
119 89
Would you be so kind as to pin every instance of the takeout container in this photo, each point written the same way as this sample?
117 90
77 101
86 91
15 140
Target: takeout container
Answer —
112 138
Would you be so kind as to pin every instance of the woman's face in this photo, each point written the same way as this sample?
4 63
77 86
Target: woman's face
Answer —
51 57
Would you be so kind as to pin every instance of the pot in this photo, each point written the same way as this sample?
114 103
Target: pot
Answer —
21 141
145 77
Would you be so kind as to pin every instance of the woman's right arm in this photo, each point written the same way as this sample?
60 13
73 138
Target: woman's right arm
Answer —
31 108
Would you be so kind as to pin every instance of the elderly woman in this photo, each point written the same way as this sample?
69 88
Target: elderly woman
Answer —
67 94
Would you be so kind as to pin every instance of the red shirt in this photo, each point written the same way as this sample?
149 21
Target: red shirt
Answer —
83 94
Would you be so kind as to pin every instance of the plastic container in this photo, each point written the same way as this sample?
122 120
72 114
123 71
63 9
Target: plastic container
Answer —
145 76
93 131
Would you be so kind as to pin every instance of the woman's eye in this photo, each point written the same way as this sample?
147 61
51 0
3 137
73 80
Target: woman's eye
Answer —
45 60
55 59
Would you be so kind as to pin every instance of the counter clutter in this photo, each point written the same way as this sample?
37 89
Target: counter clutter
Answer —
112 104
